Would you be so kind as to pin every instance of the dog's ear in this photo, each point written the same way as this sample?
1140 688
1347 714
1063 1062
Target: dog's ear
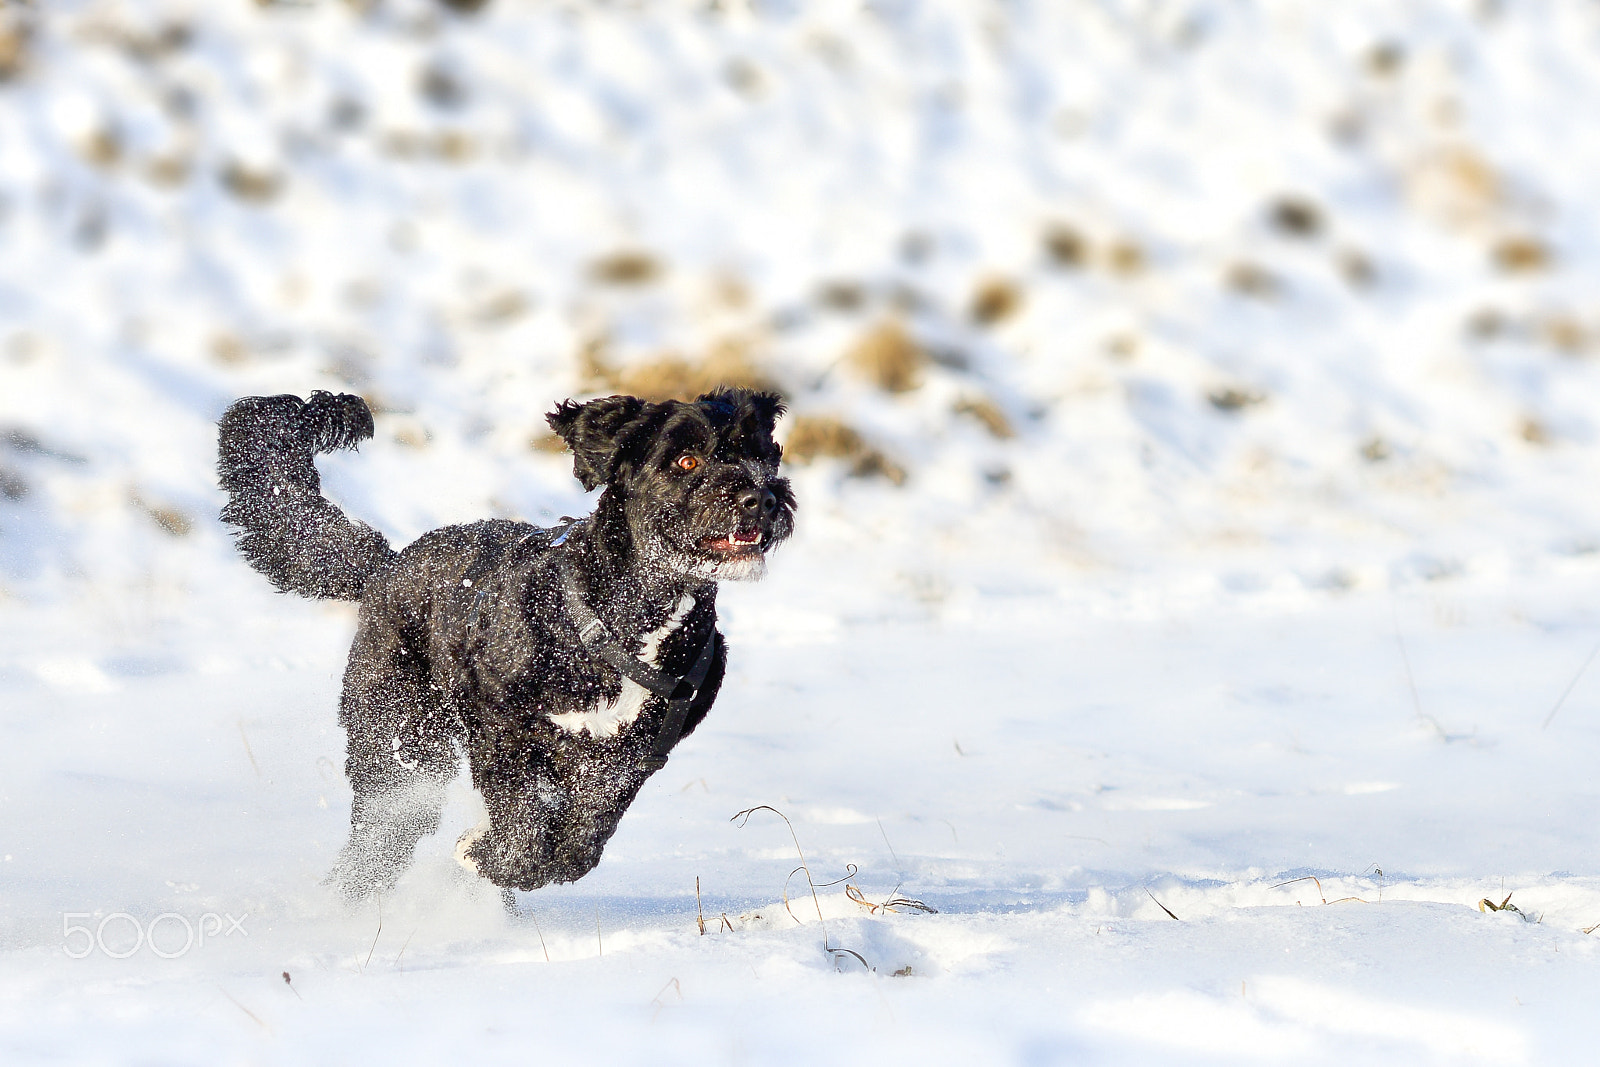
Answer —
591 430
768 408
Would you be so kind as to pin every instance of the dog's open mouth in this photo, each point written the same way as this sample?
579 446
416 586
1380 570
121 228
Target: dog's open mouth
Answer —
737 543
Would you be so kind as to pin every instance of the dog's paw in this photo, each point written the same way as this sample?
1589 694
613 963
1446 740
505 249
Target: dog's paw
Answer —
353 886
463 849
366 869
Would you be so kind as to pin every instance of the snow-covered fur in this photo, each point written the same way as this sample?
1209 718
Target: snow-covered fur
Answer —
465 643
288 532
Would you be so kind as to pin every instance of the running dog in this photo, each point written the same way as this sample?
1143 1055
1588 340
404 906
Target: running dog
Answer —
564 663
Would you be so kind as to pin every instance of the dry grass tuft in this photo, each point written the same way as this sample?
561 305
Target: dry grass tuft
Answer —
1487 905
168 169
1456 186
673 377
841 296
839 952
667 377
545 441
1253 280
1069 249
229 350
412 434
888 357
144 46
1534 431
1066 247
169 518
874 464
1564 333
730 291
445 146
1125 258
744 77
15 36
102 148
1123 347
502 308
995 300
813 437
441 87
1376 450
1486 324
1235 398
1296 216
1522 254
1561 331
626 268
1386 58
250 183
893 904
1356 267
988 414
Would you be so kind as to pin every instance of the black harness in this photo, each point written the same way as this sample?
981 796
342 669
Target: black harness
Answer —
597 638
679 692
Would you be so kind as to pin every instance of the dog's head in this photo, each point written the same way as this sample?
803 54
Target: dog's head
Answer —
698 481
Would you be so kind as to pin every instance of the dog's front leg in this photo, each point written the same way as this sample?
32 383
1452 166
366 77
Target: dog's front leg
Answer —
600 792
524 803
551 822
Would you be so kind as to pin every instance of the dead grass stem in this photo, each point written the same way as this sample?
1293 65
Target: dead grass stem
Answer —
658 1003
1570 687
827 944
1320 893
1160 905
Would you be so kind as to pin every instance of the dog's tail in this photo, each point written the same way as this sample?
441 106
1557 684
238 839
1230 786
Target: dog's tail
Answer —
287 530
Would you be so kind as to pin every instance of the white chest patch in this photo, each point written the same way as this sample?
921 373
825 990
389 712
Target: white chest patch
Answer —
608 719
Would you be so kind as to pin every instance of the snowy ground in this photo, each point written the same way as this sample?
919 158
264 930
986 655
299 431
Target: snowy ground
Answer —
1041 776
1224 647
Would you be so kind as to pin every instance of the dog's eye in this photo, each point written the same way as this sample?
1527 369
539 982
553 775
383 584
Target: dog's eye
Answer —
687 462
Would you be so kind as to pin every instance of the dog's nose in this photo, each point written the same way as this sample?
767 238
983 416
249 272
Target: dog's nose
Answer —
756 503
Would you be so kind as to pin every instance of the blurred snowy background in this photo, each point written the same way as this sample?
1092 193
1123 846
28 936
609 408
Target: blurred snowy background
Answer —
1175 297
1193 410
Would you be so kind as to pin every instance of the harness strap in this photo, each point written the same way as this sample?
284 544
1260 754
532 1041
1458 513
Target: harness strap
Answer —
678 709
679 692
563 529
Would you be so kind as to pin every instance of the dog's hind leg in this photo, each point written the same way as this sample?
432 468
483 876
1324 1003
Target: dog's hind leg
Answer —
399 759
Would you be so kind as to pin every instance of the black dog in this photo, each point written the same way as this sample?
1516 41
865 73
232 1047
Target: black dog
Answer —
565 663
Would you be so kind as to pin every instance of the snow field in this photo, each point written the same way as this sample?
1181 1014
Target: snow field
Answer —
1246 534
